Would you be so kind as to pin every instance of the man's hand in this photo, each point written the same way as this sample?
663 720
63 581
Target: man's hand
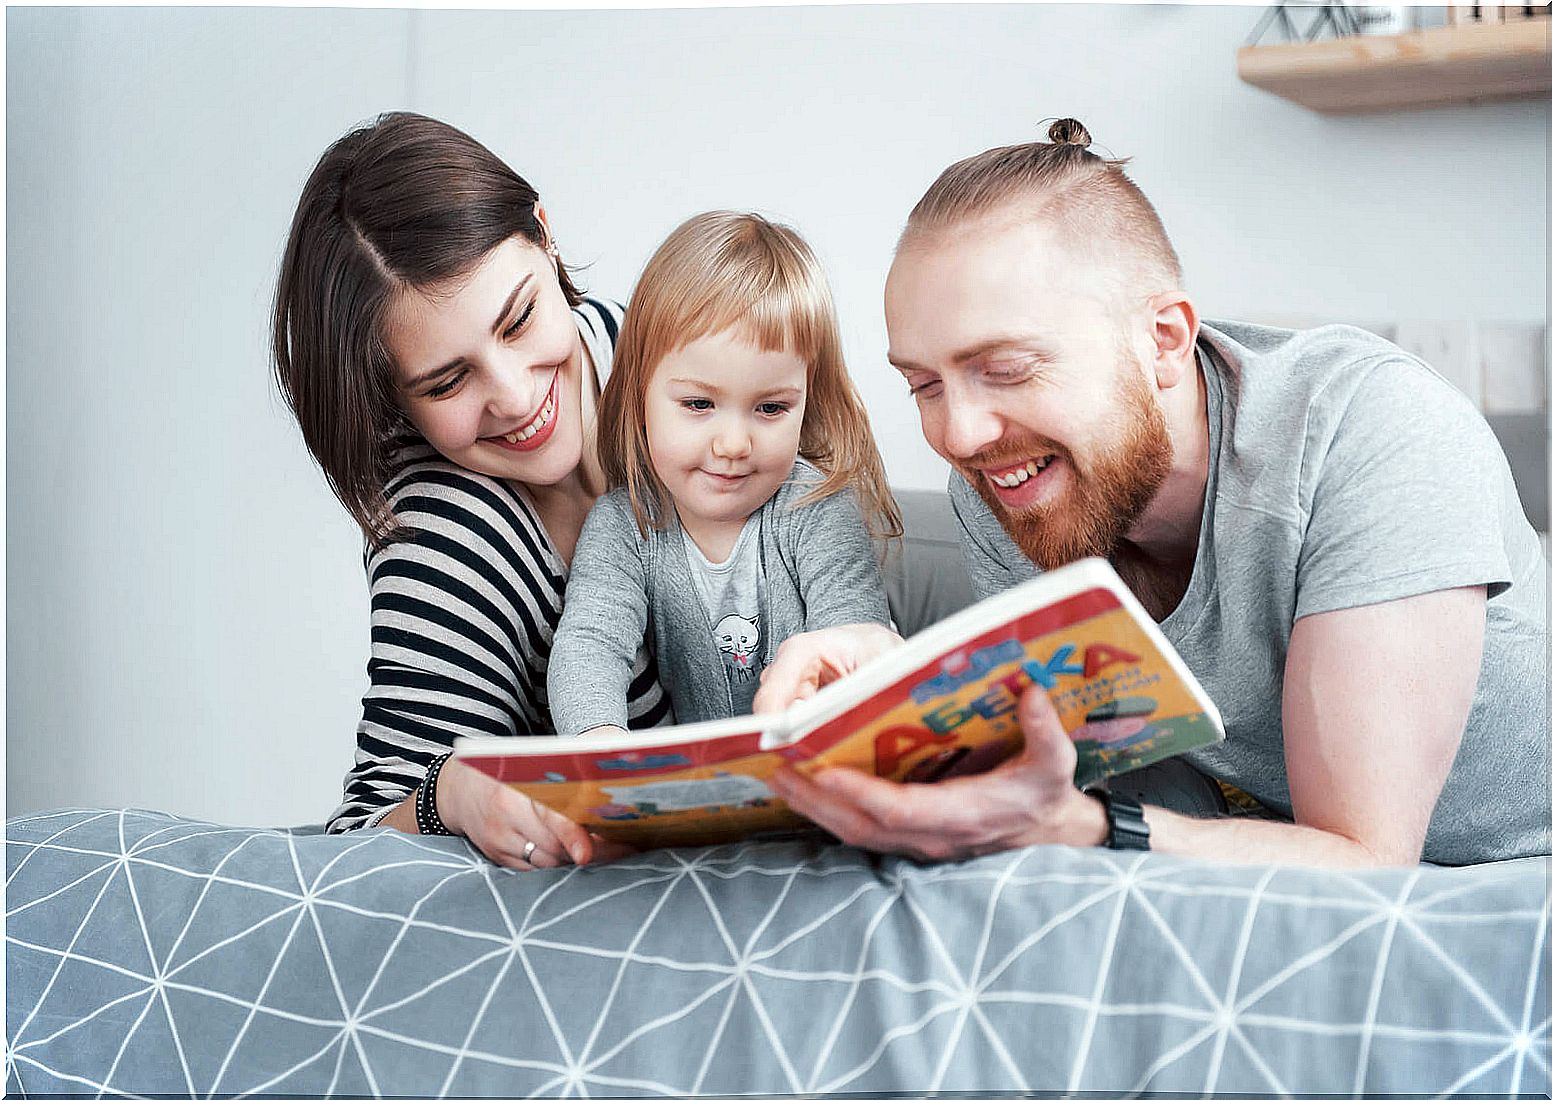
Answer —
807 662
1027 800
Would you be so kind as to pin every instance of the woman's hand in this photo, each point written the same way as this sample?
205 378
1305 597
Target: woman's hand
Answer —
807 662
502 823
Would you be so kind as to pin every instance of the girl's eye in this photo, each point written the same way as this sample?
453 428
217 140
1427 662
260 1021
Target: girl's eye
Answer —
697 404
517 326
444 388
770 408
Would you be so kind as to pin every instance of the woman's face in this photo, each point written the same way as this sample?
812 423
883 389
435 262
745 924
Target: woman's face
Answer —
489 367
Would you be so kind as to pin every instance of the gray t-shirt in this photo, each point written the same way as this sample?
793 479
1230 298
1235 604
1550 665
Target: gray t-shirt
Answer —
730 590
1345 472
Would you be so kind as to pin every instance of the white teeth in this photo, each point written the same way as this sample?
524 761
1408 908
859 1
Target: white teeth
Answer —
536 425
1021 474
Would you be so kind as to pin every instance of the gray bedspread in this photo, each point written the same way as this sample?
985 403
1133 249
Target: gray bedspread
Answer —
151 954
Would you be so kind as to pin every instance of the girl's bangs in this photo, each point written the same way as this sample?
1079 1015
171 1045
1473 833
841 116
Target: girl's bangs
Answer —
782 316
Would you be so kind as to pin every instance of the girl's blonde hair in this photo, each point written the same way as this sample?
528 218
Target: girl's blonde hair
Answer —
724 271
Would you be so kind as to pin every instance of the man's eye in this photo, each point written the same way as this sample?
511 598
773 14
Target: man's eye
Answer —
522 319
1012 374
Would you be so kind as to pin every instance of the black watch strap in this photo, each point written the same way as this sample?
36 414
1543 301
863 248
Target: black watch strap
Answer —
1128 830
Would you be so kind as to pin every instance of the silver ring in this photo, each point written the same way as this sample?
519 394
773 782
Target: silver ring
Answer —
528 850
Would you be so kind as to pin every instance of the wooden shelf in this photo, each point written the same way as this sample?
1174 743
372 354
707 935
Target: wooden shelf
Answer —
1424 68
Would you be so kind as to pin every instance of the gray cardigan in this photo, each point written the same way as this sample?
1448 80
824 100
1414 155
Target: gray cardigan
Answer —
816 562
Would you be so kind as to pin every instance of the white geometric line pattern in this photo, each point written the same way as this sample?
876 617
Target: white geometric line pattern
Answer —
146 954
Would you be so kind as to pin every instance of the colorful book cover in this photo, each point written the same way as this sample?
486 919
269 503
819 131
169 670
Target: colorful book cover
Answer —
939 706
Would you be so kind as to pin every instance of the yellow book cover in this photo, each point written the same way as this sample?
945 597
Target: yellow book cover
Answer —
938 706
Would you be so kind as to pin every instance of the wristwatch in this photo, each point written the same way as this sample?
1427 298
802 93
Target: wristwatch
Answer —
1128 830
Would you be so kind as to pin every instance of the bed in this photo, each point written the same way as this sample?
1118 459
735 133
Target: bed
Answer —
148 954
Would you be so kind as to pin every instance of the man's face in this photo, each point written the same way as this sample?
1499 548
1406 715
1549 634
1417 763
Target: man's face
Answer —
1028 385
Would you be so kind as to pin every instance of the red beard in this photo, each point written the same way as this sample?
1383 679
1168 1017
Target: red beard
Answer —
1106 494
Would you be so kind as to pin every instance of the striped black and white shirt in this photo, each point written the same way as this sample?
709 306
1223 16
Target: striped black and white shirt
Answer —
463 614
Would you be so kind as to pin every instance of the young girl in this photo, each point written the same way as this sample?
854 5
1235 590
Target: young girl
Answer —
741 468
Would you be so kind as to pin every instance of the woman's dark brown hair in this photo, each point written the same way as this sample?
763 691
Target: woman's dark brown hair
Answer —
401 202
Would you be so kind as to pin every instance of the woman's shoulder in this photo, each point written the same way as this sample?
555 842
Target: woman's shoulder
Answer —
432 496
599 320
598 323
418 469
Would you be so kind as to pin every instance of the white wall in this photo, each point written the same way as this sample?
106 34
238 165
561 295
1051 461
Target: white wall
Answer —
186 613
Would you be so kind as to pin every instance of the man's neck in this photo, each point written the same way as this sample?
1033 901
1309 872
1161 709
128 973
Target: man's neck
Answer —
1159 552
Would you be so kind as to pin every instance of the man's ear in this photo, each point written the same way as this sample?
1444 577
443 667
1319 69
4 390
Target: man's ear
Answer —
1174 327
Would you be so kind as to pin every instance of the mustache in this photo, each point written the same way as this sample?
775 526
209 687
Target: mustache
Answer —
1005 453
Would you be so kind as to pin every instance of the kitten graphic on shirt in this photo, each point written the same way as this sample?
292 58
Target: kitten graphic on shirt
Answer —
738 638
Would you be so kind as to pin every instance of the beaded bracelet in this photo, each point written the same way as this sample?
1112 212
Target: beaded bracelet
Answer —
427 820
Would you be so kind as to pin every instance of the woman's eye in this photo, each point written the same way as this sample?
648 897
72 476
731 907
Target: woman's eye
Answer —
921 389
445 388
522 319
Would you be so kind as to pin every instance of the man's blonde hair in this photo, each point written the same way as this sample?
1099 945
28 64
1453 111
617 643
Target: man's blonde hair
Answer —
1096 209
723 271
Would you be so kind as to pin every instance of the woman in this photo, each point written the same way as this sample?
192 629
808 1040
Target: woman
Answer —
445 374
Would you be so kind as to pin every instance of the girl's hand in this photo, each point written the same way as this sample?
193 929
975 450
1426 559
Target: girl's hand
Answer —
501 823
602 731
807 662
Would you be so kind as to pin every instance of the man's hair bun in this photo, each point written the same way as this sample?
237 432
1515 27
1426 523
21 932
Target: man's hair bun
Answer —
1069 131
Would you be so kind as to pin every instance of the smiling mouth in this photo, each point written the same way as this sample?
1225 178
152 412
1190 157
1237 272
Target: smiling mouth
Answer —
1011 477
535 424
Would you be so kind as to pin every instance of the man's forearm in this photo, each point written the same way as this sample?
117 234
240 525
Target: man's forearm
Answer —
1252 840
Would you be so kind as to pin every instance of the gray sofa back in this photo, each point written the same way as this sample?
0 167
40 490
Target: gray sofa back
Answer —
924 572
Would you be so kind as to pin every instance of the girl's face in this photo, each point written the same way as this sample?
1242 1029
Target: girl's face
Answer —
489 368
723 422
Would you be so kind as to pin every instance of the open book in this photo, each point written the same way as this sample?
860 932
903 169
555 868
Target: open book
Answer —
940 705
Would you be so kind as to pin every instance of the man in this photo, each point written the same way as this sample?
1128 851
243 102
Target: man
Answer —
1324 528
